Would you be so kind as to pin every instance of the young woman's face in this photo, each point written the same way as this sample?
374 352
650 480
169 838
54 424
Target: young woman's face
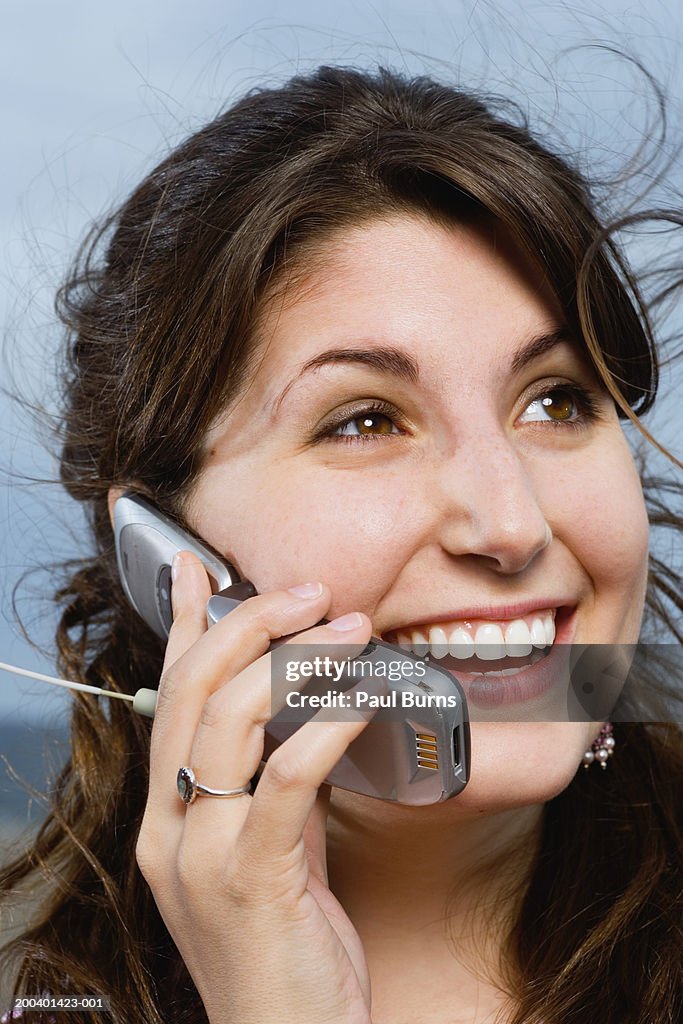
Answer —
423 437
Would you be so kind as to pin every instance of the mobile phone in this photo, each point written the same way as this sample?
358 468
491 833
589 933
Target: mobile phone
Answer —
416 754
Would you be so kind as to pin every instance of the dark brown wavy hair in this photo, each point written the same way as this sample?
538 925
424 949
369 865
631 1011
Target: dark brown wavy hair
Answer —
162 313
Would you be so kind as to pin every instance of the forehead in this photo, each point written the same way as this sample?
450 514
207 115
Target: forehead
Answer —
411 282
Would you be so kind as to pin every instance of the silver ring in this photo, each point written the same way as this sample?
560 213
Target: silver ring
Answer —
189 789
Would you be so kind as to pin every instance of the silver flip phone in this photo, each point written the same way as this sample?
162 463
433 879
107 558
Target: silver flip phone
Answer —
419 755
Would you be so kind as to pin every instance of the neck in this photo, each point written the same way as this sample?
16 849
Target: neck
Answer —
432 893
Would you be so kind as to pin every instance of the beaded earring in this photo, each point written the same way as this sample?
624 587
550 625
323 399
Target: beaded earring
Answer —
601 749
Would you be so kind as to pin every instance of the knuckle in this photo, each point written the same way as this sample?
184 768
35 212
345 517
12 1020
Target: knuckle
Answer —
282 771
175 683
263 619
169 688
181 616
270 613
215 711
147 856
231 705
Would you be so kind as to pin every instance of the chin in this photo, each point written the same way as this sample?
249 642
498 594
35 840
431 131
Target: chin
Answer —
515 764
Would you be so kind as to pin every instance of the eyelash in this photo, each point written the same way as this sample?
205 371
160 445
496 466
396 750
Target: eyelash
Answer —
587 405
327 432
588 411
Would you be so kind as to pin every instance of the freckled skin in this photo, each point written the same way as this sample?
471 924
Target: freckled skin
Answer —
452 511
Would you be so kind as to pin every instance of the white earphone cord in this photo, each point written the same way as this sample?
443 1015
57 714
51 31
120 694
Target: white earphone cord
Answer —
144 701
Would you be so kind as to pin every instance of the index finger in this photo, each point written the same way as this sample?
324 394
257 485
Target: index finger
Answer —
189 624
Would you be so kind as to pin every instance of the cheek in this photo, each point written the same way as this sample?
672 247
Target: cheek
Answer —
612 549
597 510
352 531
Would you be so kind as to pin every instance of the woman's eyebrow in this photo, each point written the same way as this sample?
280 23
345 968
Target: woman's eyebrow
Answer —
387 359
539 345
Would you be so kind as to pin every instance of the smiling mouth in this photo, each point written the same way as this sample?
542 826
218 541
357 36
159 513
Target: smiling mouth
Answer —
479 648
500 663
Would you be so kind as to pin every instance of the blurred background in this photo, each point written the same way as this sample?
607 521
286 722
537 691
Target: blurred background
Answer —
93 95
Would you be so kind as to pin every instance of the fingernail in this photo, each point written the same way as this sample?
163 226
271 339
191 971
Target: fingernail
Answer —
175 565
346 622
307 590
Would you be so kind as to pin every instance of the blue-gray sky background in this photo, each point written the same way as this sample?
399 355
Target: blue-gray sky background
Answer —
94 94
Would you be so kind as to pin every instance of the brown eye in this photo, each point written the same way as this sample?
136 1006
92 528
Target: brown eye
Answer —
368 424
558 405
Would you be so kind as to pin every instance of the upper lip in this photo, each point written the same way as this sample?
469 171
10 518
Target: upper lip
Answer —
491 612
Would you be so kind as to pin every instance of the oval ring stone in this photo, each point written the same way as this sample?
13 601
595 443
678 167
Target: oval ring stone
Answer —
187 785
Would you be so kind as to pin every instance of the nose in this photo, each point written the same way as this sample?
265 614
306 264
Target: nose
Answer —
489 508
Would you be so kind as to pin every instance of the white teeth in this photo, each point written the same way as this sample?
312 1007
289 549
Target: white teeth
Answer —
488 642
518 639
549 624
438 642
538 633
461 644
420 644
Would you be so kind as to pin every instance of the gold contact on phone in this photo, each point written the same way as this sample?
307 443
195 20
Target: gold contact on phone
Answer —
427 751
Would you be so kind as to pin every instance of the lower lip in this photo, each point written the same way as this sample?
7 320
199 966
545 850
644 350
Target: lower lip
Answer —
494 691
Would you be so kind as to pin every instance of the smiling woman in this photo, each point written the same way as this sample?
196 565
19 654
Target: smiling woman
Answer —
371 344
